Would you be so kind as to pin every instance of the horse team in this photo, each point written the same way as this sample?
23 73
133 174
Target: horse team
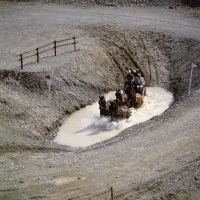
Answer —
119 108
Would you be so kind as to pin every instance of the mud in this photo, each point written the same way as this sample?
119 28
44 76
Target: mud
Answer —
157 159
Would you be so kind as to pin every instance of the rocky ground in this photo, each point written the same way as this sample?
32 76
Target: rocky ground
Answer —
157 159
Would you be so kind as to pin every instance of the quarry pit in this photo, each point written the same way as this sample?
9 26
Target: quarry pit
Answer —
156 159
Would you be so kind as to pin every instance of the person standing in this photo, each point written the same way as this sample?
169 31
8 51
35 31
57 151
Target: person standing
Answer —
129 80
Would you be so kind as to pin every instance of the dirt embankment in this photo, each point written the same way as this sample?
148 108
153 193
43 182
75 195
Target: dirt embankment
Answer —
169 3
162 161
25 100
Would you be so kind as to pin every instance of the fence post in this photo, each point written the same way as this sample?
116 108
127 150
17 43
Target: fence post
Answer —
55 47
74 43
112 196
37 55
21 58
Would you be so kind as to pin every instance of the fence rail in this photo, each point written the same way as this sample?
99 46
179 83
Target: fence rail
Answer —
55 46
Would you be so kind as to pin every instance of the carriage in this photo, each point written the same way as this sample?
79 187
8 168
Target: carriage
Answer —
119 108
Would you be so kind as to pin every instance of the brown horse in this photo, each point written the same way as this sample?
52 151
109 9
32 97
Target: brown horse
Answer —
118 113
120 99
135 100
103 106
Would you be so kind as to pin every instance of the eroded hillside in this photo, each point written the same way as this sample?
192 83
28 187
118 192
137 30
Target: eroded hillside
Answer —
157 159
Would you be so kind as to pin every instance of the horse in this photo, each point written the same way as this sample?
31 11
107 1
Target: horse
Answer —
135 100
103 106
119 113
120 99
128 87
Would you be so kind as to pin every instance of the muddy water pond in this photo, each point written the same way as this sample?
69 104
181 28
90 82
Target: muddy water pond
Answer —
85 127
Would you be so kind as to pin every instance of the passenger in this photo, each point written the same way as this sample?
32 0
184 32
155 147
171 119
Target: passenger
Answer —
137 72
133 72
140 83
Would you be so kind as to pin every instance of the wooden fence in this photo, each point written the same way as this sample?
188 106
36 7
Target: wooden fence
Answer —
40 50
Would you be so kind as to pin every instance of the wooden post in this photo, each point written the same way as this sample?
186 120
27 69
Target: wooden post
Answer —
112 196
55 47
74 43
21 58
37 55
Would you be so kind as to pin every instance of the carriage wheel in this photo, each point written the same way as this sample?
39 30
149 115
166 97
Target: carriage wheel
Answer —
144 91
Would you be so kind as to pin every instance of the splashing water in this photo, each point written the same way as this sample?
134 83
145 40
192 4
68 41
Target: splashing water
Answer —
86 127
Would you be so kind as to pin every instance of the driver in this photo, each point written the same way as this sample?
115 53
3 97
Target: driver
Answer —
129 79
